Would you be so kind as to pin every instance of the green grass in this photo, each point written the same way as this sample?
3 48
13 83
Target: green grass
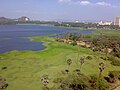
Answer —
108 32
24 68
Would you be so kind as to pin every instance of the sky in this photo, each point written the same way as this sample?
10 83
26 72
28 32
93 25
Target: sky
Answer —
61 10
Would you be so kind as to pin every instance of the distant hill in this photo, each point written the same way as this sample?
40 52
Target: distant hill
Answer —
8 21
23 18
3 19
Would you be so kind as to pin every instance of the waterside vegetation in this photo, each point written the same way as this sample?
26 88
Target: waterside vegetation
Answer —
60 66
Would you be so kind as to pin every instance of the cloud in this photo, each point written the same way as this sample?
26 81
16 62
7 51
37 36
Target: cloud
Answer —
80 2
85 3
63 1
88 3
103 4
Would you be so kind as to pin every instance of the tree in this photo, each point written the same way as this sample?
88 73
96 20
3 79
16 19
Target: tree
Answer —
101 68
45 81
82 60
69 62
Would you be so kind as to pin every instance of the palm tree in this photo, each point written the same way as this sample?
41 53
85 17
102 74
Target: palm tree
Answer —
69 62
45 81
101 68
82 60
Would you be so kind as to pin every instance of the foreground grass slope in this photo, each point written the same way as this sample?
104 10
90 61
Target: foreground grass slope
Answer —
24 68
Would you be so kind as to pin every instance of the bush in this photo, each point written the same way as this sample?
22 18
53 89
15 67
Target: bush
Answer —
102 84
58 80
59 40
104 58
111 58
78 82
98 83
3 68
116 52
73 82
116 74
93 82
81 82
74 43
115 61
89 57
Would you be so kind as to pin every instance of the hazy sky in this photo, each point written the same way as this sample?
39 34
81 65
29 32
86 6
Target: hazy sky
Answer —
61 9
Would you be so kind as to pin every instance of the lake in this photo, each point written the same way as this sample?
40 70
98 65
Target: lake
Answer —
15 37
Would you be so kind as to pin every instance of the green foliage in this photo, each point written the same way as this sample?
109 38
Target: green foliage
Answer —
103 42
89 57
102 84
58 80
81 82
94 41
73 36
26 67
104 58
93 82
116 51
72 24
74 82
116 74
98 83
73 43
114 61
69 61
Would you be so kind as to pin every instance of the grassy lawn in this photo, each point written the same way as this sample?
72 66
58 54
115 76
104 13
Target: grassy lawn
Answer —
24 68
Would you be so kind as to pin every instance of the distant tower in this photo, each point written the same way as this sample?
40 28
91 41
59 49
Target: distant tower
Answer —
117 21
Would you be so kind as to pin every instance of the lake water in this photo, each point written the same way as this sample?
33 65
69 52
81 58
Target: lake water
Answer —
15 37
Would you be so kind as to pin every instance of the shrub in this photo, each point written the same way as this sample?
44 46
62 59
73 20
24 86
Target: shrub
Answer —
93 82
73 82
74 43
98 83
58 80
102 84
116 74
104 58
80 82
115 61
111 58
89 57
3 68
59 40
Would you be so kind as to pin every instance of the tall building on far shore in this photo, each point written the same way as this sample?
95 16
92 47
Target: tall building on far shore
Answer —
105 23
117 21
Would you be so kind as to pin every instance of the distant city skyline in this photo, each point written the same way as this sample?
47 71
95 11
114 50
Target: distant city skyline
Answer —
61 10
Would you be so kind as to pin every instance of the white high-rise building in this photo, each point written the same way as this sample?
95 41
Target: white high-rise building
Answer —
117 21
104 23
